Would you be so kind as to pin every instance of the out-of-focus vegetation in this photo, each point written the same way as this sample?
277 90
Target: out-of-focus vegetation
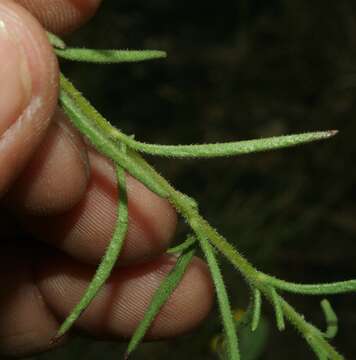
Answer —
240 70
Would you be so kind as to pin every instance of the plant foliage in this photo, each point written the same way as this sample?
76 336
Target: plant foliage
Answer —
125 153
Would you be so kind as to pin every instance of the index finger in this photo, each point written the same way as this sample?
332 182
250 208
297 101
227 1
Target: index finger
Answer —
61 16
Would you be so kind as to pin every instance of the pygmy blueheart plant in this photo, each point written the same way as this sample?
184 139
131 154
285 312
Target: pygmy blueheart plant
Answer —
125 152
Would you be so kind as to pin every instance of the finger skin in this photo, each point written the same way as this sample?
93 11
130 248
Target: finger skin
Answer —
20 140
65 15
57 175
47 284
120 306
85 231
25 319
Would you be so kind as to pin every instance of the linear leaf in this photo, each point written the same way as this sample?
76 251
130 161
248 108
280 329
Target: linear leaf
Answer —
313 289
212 150
107 263
223 299
108 56
187 243
256 310
223 149
159 298
278 310
56 41
331 319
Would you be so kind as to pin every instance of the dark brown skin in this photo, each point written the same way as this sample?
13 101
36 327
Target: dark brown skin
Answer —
64 193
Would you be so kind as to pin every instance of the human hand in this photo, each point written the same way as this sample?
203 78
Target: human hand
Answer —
64 194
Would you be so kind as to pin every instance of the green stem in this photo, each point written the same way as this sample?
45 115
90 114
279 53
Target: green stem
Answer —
85 117
98 130
101 142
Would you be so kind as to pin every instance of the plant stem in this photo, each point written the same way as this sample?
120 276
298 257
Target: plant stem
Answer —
100 132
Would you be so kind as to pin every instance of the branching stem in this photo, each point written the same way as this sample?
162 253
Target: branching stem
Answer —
124 151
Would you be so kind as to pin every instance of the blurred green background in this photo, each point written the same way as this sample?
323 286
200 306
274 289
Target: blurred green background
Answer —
241 70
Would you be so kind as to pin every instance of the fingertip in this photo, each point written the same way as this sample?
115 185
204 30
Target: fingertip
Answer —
66 15
26 122
26 323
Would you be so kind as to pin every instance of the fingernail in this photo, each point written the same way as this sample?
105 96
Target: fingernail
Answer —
15 80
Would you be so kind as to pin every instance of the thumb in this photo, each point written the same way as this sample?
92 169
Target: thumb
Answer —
28 89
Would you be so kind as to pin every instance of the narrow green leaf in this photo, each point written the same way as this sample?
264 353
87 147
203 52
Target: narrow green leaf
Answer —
256 310
187 243
210 150
313 289
107 263
56 41
223 300
331 319
108 56
159 298
278 310
223 149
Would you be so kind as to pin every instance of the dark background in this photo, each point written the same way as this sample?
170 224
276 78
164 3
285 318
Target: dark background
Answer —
242 70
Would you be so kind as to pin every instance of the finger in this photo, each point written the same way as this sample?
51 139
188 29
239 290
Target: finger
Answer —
57 175
85 231
65 15
28 88
121 304
26 323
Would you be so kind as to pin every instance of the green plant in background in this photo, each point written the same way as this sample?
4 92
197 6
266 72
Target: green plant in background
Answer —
125 153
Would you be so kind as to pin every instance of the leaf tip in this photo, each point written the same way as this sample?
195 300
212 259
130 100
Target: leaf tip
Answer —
281 326
56 339
331 133
161 54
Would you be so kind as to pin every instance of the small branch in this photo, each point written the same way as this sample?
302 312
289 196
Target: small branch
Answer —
100 132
